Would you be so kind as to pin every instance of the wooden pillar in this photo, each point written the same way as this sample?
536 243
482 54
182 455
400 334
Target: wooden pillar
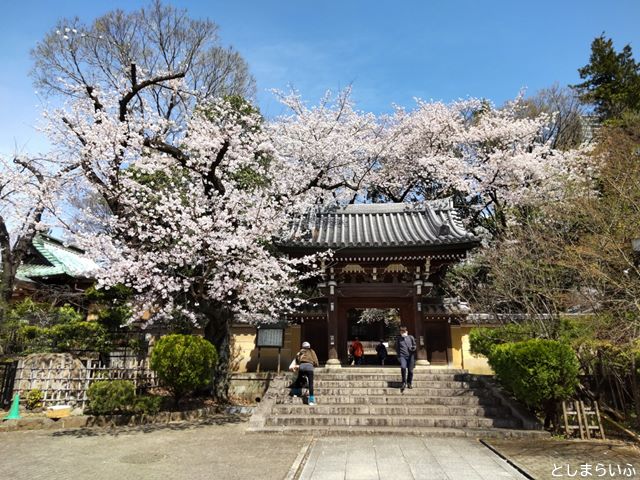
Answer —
421 354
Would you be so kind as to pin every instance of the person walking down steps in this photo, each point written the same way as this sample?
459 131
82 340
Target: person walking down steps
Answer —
406 351
307 360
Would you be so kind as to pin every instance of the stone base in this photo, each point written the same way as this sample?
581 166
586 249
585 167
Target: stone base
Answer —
333 363
420 364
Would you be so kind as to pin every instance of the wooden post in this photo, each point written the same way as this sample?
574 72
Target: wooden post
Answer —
258 367
579 415
595 406
279 350
586 419
86 384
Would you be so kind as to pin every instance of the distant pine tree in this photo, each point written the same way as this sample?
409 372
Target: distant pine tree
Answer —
612 80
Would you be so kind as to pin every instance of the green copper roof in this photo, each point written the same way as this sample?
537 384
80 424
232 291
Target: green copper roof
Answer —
60 260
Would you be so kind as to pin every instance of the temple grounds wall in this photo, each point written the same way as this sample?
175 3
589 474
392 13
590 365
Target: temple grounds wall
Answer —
461 354
245 353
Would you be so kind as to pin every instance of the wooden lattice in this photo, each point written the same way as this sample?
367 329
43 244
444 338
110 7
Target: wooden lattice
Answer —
583 420
63 385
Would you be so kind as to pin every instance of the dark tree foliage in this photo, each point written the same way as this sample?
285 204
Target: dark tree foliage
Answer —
611 80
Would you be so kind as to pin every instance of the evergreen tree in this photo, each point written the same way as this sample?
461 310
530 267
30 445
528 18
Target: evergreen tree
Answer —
611 80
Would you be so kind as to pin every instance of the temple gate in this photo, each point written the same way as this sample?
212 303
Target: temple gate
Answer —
384 256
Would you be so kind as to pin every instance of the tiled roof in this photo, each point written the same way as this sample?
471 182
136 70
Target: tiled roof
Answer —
432 223
60 260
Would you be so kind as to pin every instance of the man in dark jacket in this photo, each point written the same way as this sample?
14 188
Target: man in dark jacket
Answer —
406 351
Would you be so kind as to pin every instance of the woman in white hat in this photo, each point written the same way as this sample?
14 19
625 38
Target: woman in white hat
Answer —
307 360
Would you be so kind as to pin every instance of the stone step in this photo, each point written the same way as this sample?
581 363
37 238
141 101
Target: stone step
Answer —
404 410
416 391
368 400
468 400
391 421
389 370
395 376
429 432
394 383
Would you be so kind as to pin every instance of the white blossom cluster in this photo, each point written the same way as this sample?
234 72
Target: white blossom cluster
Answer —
496 155
197 204
29 192
194 219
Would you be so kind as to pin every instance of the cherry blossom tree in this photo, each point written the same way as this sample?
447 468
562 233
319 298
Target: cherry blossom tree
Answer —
496 161
157 42
29 191
188 175
192 220
198 186
331 148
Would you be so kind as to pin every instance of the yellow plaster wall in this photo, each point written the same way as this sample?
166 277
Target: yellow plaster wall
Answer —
245 353
456 347
475 364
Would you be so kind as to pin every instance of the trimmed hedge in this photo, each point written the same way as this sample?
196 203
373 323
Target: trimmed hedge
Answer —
147 404
111 396
107 397
537 372
183 363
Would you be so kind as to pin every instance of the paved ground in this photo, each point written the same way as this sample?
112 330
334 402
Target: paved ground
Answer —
219 448
215 449
388 457
543 459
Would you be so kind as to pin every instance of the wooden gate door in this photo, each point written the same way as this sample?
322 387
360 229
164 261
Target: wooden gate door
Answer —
437 339
316 332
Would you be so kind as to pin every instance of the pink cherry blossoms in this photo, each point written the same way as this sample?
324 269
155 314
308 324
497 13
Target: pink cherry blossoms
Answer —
197 204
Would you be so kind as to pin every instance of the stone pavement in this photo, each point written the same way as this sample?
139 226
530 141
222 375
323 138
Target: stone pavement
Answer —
557 458
214 449
388 457
220 448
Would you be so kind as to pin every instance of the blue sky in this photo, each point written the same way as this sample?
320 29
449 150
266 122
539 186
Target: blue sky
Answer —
390 51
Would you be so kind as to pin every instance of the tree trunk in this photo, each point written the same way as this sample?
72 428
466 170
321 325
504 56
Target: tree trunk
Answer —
8 269
551 417
218 332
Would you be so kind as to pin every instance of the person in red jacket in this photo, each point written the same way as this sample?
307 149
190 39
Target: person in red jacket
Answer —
358 351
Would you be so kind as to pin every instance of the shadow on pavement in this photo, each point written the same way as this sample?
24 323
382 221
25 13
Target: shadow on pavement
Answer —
223 419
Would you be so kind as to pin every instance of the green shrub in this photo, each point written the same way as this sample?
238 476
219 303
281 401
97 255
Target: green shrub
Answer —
147 404
34 399
539 373
482 340
183 363
111 396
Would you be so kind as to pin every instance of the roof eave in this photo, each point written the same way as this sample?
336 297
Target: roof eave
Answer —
383 250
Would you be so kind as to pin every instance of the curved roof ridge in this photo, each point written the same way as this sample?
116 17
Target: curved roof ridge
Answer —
379 225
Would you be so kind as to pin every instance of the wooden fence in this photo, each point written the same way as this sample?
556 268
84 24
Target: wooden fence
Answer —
68 384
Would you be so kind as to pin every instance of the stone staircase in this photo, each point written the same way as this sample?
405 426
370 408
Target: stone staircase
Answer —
368 400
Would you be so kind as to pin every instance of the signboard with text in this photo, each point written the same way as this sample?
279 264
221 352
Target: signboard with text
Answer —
270 337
